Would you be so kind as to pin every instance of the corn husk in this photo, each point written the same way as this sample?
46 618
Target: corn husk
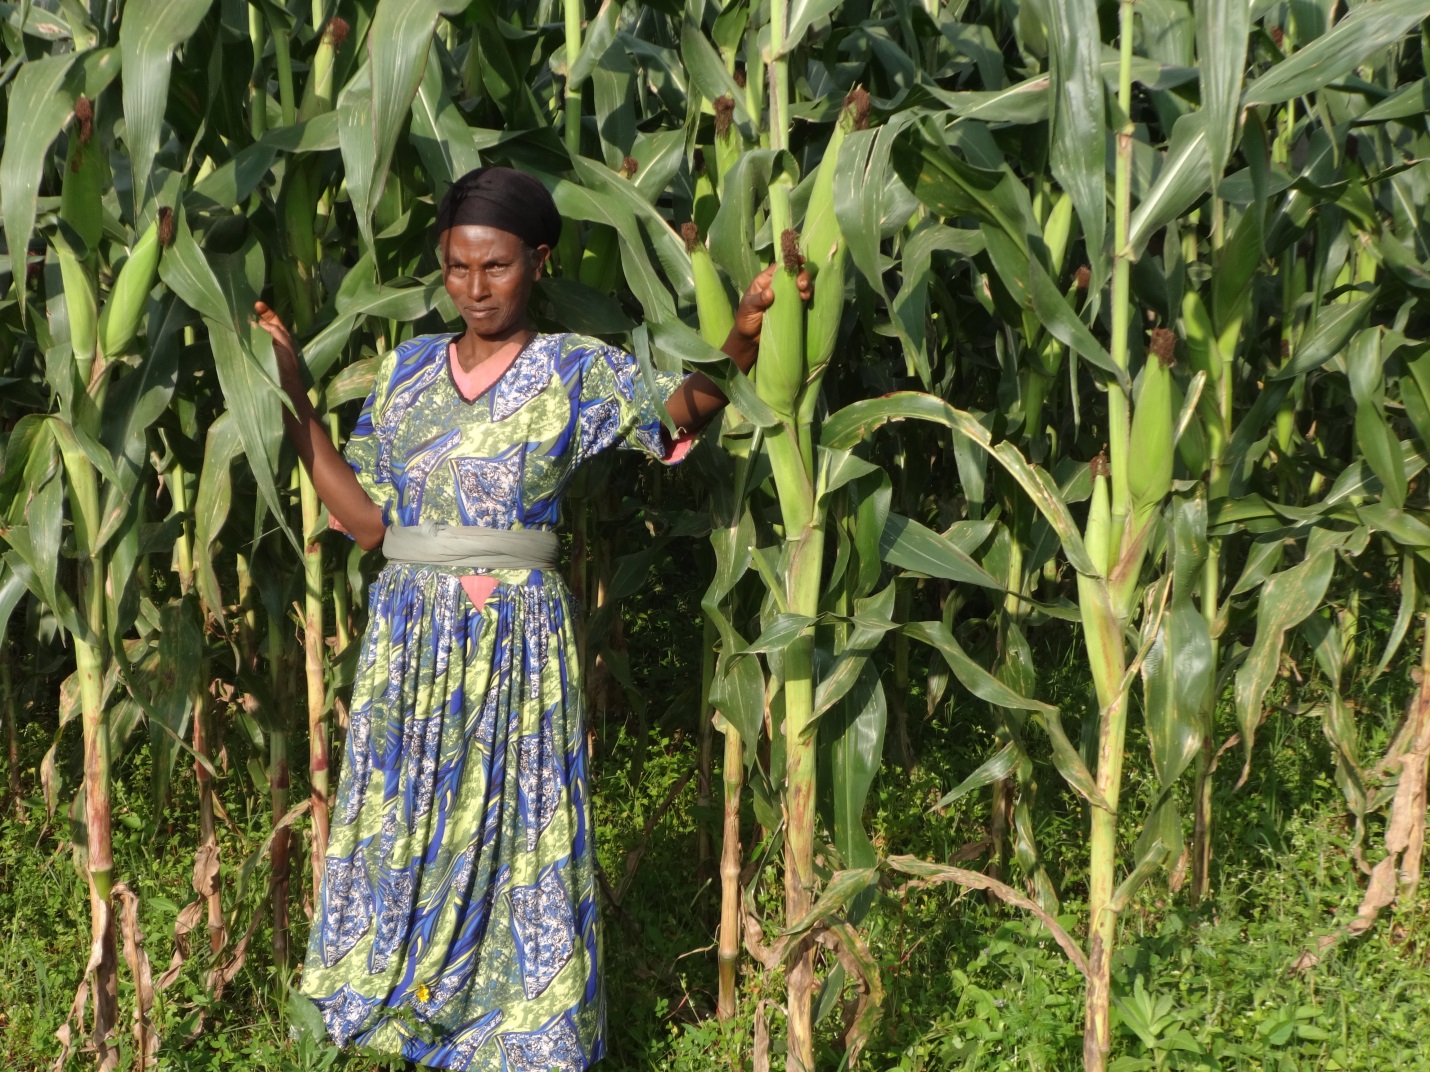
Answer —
122 312
779 375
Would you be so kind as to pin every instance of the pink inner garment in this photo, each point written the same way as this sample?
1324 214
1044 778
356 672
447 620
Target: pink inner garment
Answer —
677 448
472 385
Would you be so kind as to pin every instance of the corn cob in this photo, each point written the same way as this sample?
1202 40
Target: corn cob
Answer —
707 202
712 304
1149 461
779 374
824 244
1056 233
318 92
600 262
84 180
81 211
728 143
1097 537
120 320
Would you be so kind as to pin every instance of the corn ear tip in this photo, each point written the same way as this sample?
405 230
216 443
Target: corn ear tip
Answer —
1163 345
84 114
336 32
724 106
856 108
789 251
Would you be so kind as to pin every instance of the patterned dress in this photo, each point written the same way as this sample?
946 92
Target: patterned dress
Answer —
457 920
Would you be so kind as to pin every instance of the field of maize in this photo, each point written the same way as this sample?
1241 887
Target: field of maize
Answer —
1117 369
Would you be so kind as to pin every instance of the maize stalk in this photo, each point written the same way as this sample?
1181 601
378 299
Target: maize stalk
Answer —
258 81
732 772
206 862
1117 416
12 753
705 735
1102 636
571 9
1102 625
314 673
278 783
91 660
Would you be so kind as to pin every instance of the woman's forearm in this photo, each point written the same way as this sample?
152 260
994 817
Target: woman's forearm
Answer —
333 479
696 402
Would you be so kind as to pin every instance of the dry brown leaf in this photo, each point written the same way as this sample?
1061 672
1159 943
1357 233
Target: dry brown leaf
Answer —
188 919
146 1039
762 1039
99 1041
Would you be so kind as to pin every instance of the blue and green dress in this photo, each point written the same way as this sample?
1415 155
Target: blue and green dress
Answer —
456 924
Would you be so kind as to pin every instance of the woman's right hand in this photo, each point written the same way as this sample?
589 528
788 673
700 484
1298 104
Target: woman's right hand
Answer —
284 351
333 479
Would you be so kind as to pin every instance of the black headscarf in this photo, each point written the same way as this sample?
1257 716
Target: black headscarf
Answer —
504 198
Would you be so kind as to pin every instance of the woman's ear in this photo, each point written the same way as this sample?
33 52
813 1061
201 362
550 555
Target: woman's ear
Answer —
539 257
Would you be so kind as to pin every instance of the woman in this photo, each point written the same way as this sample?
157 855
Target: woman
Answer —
456 924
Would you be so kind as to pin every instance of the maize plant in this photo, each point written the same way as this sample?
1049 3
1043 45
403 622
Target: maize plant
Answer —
1140 283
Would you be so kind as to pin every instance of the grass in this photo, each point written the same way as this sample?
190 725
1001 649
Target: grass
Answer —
970 985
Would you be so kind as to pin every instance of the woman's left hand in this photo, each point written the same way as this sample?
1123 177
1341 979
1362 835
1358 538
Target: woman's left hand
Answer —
699 398
759 296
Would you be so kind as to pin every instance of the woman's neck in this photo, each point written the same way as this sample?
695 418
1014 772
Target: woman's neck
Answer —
474 349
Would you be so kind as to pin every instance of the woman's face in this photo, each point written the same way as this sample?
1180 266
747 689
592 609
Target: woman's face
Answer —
489 273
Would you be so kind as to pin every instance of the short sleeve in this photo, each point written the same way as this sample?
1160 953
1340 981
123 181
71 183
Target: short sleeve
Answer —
363 450
619 407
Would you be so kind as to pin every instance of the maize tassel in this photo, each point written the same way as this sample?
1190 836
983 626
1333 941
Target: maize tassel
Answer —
712 305
779 374
119 322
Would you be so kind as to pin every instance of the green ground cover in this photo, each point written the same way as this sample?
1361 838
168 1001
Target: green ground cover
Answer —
969 984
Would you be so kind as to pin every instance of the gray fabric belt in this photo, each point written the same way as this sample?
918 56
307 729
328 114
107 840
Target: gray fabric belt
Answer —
430 544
